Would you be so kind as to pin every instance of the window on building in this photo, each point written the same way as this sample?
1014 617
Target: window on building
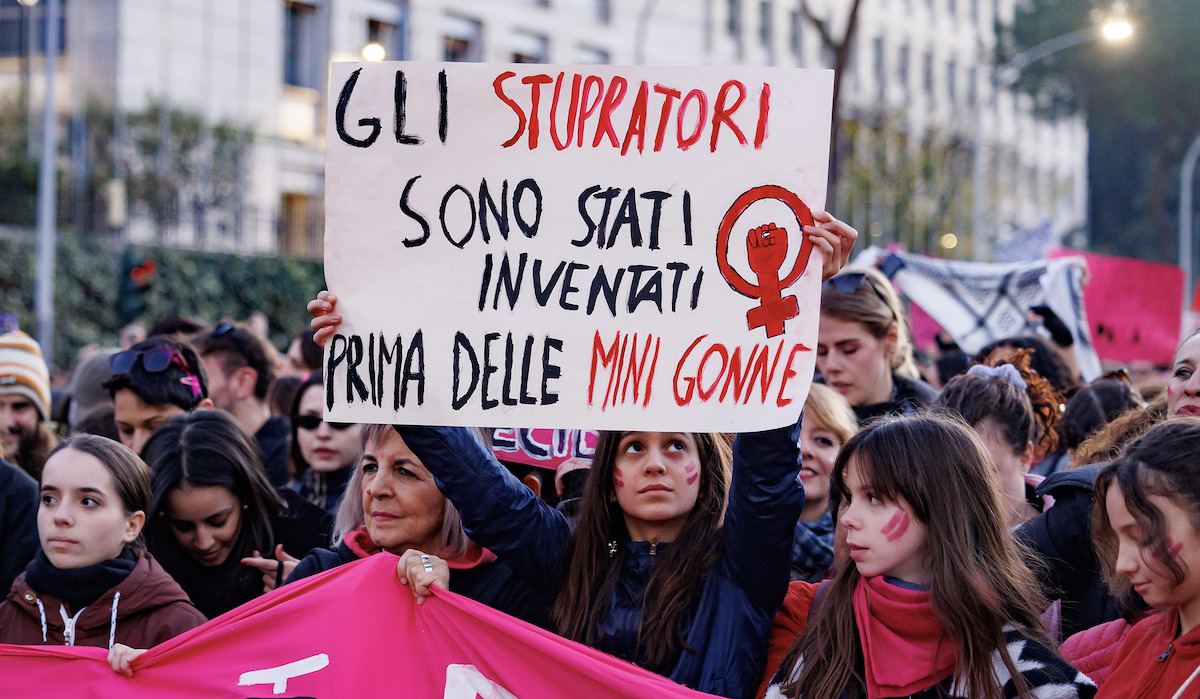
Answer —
602 11
301 225
384 34
974 10
880 76
972 87
902 61
828 57
734 26
764 22
587 55
462 39
796 40
529 48
302 61
952 8
17 38
927 75
951 81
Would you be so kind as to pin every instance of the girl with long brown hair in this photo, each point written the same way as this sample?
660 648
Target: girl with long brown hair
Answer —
930 598
660 571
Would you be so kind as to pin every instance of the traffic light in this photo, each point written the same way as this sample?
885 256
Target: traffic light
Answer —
136 275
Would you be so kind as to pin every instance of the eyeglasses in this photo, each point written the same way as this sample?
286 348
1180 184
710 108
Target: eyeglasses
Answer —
851 282
154 361
308 423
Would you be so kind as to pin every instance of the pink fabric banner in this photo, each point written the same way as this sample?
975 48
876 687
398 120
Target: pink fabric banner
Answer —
352 632
1134 307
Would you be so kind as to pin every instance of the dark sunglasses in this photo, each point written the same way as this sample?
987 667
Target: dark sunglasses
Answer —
154 361
308 423
851 282
235 334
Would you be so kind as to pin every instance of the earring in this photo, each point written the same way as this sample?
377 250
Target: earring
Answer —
612 549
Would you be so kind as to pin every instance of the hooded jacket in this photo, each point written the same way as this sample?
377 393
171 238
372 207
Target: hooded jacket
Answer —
725 636
1153 663
145 609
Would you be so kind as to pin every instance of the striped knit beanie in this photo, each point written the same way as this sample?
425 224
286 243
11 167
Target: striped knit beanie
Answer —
23 371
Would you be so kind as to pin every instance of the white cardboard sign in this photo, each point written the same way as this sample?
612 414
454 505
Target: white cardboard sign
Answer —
573 246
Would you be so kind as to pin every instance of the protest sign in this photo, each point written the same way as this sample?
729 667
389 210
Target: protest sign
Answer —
353 631
593 247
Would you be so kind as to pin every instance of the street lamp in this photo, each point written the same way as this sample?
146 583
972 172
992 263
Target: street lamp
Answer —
1114 28
1187 172
43 299
374 52
27 75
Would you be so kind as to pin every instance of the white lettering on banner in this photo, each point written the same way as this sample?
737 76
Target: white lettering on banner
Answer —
467 682
279 676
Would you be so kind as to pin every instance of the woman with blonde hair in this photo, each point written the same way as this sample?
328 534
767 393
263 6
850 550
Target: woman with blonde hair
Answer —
827 424
864 347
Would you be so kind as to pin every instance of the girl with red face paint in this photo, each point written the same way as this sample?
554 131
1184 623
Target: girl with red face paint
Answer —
1147 534
930 598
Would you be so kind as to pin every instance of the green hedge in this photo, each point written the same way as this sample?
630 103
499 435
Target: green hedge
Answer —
203 285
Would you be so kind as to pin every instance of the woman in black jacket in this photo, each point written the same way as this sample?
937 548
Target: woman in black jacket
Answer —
214 511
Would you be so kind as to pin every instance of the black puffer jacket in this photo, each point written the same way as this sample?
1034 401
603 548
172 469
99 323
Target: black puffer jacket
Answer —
726 636
908 395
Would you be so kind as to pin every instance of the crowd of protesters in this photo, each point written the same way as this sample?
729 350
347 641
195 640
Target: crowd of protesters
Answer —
994 527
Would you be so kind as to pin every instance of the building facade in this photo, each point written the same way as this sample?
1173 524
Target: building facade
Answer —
217 108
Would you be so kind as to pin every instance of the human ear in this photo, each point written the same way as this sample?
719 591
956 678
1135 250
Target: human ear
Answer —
244 379
133 526
1027 458
204 404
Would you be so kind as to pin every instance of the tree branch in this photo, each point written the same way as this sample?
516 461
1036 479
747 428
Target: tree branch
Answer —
821 26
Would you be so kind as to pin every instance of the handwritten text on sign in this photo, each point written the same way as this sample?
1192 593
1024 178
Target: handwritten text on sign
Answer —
568 246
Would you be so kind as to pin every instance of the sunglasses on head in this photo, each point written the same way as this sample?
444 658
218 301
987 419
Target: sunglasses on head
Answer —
234 333
308 423
850 282
154 361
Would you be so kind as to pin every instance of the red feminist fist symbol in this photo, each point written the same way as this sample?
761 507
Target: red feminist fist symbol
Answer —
766 248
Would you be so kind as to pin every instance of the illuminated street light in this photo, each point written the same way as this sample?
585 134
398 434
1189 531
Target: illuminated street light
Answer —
949 241
1116 29
374 52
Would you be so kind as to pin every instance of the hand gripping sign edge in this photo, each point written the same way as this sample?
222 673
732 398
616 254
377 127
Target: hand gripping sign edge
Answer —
772 310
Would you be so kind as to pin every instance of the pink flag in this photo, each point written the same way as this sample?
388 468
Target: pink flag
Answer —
353 631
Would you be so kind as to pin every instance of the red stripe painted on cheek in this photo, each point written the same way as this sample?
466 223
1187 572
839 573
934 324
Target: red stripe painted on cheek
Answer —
896 526
690 469
1173 549
617 478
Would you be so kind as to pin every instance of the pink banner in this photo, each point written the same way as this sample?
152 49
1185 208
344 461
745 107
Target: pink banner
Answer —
1133 306
354 631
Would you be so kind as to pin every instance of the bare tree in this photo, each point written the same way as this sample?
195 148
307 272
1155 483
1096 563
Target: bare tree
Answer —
840 48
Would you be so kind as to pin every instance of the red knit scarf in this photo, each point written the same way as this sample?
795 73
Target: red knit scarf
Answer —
360 542
905 649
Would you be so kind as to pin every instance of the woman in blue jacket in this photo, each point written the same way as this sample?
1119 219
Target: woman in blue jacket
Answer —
653 575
